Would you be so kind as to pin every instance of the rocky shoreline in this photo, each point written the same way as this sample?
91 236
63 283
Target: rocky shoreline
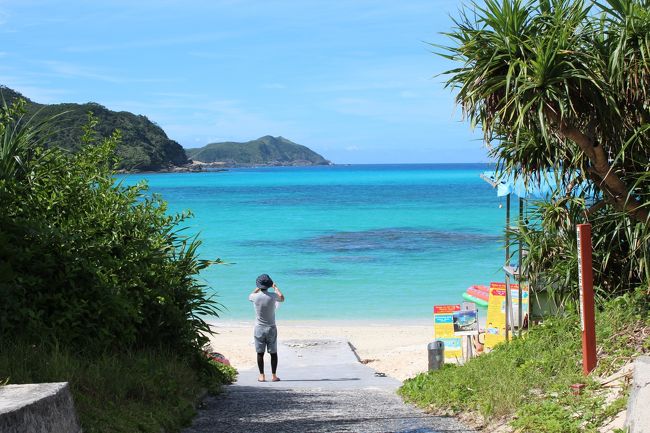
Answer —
199 166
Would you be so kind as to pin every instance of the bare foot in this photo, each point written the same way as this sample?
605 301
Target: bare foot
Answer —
262 378
275 378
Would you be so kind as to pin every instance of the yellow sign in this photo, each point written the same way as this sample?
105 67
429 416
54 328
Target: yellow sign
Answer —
496 314
443 329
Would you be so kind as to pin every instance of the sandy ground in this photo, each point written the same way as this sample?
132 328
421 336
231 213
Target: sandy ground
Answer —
396 349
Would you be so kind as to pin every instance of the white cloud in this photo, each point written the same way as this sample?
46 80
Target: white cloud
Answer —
186 95
358 107
356 86
194 120
234 122
190 39
42 95
70 70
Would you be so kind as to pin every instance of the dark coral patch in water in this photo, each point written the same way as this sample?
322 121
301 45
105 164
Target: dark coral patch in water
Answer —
353 259
395 239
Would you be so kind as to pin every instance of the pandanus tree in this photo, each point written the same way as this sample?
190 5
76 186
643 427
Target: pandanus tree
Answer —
563 86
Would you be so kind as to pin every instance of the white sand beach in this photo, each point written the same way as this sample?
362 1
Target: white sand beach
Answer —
397 349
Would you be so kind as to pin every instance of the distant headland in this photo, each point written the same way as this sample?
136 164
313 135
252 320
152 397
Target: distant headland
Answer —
146 147
265 151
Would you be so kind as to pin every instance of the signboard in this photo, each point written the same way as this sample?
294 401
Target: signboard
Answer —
443 330
496 314
514 295
495 331
465 322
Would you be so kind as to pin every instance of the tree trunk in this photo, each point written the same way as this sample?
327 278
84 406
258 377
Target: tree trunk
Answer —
610 181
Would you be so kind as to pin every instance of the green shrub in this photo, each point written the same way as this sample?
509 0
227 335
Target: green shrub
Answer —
224 373
86 261
98 285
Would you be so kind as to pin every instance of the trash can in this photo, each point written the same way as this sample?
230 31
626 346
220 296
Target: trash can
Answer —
436 351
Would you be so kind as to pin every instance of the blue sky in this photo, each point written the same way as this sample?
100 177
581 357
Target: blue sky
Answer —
353 80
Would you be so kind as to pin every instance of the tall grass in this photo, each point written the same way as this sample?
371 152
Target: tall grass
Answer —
143 391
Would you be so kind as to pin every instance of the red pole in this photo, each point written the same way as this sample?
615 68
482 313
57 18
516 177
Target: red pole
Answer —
586 284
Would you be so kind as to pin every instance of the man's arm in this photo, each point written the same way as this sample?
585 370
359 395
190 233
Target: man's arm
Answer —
250 297
280 295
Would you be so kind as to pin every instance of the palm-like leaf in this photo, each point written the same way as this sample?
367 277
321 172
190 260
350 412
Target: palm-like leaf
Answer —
545 69
563 86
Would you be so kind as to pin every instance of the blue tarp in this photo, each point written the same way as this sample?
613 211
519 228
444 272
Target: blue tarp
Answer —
533 190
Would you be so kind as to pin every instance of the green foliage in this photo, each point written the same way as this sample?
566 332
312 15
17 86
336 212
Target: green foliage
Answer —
621 328
620 249
567 413
144 391
529 378
264 150
532 70
87 262
547 417
561 87
144 145
225 373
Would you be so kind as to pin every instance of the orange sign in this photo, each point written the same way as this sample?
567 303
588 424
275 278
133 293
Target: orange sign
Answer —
445 309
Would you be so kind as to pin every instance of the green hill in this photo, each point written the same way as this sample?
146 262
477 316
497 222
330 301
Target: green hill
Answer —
265 150
145 146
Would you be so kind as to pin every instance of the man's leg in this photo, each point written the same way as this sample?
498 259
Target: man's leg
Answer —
273 350
260 362
260 346
274 363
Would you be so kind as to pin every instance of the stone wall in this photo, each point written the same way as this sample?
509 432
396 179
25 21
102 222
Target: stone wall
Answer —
37 408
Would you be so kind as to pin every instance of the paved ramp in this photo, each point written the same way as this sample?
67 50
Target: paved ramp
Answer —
323 389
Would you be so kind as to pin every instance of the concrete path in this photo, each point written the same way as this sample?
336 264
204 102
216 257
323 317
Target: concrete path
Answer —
323 389
638 403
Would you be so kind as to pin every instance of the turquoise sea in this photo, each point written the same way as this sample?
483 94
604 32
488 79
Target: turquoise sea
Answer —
358 242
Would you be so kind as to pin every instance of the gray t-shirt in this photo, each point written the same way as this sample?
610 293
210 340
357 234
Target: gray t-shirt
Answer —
264 303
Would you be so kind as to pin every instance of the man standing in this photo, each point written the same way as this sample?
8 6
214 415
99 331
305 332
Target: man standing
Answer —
266 334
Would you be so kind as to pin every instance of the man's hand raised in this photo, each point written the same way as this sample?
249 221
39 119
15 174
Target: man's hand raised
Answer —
280 295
